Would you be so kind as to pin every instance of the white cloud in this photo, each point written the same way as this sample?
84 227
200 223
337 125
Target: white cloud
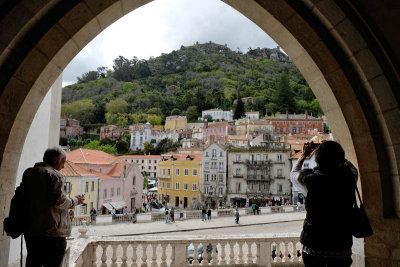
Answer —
164 25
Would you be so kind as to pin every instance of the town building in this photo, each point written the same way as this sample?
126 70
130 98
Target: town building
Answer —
143 133
252 115
309 163
297 141
147 164
70 128
191 142
253 127
213 181
238 141
217 114
189 150
120 182
79 181
175 123
295 123
197 129
179 179
218 129
113 132
258 175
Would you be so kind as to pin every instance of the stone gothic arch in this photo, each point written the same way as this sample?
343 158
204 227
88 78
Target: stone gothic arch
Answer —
347 50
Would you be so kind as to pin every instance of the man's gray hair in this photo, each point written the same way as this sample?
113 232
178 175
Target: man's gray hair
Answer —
52 153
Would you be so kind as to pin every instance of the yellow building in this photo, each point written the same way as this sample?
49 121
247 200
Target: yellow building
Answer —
175 123
79 181
179 180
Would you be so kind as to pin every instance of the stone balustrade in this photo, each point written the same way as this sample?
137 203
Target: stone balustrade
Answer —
272 250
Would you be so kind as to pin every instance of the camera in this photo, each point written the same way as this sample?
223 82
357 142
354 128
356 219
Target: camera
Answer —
314 145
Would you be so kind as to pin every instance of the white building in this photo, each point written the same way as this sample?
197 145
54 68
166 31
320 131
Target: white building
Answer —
217 114
213 182
258 174
252 115
142 133
309 163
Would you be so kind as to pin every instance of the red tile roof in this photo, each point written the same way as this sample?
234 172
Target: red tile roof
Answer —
73 170
89 156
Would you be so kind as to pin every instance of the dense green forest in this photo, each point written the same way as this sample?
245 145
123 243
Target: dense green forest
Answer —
187 81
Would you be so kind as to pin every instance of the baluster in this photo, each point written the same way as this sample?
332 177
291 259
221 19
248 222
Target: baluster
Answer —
290 251
94 256
230 255
195 254
124 257
258 253
144 257
214 254
173 260
163 255
134 255
240 255
104 256
223 261
154 255
114 256
283 250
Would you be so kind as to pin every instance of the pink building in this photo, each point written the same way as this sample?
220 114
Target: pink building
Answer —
219 129
120 182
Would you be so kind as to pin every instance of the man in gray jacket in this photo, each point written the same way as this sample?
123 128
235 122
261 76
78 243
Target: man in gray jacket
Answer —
47 204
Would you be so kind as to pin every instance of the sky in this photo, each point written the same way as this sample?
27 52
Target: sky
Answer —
162 26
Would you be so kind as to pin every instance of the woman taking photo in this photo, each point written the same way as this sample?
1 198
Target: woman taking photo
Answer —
329 197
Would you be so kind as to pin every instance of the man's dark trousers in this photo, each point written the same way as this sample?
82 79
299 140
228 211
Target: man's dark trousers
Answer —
45 251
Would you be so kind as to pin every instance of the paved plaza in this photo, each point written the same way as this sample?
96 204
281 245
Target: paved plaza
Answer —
259 224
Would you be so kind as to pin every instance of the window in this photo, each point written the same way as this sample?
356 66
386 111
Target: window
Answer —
91 205
163 172
214 153
279 172
163 184
176 186
237 157
238 171
221 177
265 186
213 165
194 172
105 193
168 185
220 190
168 172
279 188
134 180
186 172
220 153
206 177
206 190
137 161
251 186
194 187
67 187
142 160
206 153
185 186
149 167
84 208
149 161
279 157
112 192
177 172
155 161
155 167
207 166
92 189
237 187
221 166
86 187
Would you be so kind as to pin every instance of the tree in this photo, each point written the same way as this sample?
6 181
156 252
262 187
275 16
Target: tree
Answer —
105 141
154 119
148 148
118 105
145 182
285 97
95 145
82 110
122 147
208 118
175 111
192 114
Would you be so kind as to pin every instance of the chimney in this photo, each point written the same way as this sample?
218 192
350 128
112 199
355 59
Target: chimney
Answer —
306 115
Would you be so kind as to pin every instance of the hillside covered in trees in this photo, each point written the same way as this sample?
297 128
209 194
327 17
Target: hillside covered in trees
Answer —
187 81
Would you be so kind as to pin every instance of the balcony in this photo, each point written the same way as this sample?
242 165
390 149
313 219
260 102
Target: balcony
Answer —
279 177
229 250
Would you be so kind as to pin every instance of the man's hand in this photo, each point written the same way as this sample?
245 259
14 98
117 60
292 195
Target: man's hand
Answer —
80 199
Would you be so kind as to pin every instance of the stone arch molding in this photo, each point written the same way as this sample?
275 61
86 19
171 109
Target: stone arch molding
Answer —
347 65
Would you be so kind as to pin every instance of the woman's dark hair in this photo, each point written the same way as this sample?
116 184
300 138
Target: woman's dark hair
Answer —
52 153
329 154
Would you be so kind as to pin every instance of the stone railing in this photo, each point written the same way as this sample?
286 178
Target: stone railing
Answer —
283 250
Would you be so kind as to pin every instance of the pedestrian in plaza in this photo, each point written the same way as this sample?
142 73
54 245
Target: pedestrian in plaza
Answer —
48 221
93 214
298 206
172 215
71 215
237 215
326 235
209 214
203 214
253 208
166 215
